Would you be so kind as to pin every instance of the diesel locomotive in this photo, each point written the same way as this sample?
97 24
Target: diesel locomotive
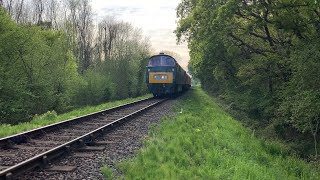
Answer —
164 76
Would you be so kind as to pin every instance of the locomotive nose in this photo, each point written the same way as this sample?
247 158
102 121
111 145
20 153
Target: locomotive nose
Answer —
164 76
160 77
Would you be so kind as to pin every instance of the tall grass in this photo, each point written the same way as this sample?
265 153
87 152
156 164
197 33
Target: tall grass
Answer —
204 142
52 117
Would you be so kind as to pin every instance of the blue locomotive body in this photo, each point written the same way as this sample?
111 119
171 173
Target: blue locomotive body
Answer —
164 76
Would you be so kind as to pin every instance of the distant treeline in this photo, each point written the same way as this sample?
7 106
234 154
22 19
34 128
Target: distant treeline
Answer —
53 56
261 57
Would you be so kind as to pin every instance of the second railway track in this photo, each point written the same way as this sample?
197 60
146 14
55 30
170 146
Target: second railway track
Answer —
36 148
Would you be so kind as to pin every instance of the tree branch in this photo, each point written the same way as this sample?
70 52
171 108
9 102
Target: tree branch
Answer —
255 50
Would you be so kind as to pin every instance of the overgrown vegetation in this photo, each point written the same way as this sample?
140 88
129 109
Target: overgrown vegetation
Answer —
204 142
261 57
51 117
53 58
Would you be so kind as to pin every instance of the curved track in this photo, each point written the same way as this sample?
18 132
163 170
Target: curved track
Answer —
36 148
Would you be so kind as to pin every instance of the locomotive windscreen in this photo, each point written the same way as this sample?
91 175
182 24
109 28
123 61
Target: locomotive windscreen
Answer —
161 61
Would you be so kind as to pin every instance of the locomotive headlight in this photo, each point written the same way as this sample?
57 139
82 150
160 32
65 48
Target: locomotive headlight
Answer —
172 69
164 77
160 76
148 70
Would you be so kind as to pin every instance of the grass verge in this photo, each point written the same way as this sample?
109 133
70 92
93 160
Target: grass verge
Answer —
52 117
204 142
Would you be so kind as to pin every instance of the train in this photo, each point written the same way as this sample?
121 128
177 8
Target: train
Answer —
165 77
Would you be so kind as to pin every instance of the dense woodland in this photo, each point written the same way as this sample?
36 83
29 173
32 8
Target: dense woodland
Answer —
262 57
54 56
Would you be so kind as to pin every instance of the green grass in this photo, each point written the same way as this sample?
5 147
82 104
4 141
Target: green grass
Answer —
204 142
107 172
52 117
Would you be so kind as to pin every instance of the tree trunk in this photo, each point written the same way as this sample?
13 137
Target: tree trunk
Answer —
314 133
315 145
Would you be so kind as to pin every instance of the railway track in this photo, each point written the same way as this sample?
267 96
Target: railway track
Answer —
37 148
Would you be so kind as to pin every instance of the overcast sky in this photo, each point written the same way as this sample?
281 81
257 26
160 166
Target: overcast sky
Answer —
156 18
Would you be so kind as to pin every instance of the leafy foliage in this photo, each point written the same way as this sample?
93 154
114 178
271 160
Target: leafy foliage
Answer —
43 70
35 68
256 55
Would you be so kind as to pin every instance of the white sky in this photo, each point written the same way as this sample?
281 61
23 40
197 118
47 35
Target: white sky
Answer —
156 18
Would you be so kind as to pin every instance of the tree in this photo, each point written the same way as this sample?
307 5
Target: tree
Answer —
300 105
50 60
36 69
80 18
244 51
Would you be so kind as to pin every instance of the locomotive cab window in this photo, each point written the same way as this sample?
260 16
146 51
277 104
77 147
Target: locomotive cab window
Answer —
161 61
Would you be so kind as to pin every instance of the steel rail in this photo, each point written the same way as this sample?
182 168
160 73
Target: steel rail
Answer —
22 137
44 158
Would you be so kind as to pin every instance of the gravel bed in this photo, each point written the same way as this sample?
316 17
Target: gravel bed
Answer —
55 138
19 156
125 141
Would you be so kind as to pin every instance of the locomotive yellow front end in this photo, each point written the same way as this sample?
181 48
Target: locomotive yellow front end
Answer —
160 77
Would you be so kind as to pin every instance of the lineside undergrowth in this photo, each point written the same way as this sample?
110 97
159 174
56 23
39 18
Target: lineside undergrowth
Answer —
52 117
204 142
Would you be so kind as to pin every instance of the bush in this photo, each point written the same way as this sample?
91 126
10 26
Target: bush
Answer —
94 88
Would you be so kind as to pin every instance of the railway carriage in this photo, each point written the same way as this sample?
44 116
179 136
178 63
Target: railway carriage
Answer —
164 76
